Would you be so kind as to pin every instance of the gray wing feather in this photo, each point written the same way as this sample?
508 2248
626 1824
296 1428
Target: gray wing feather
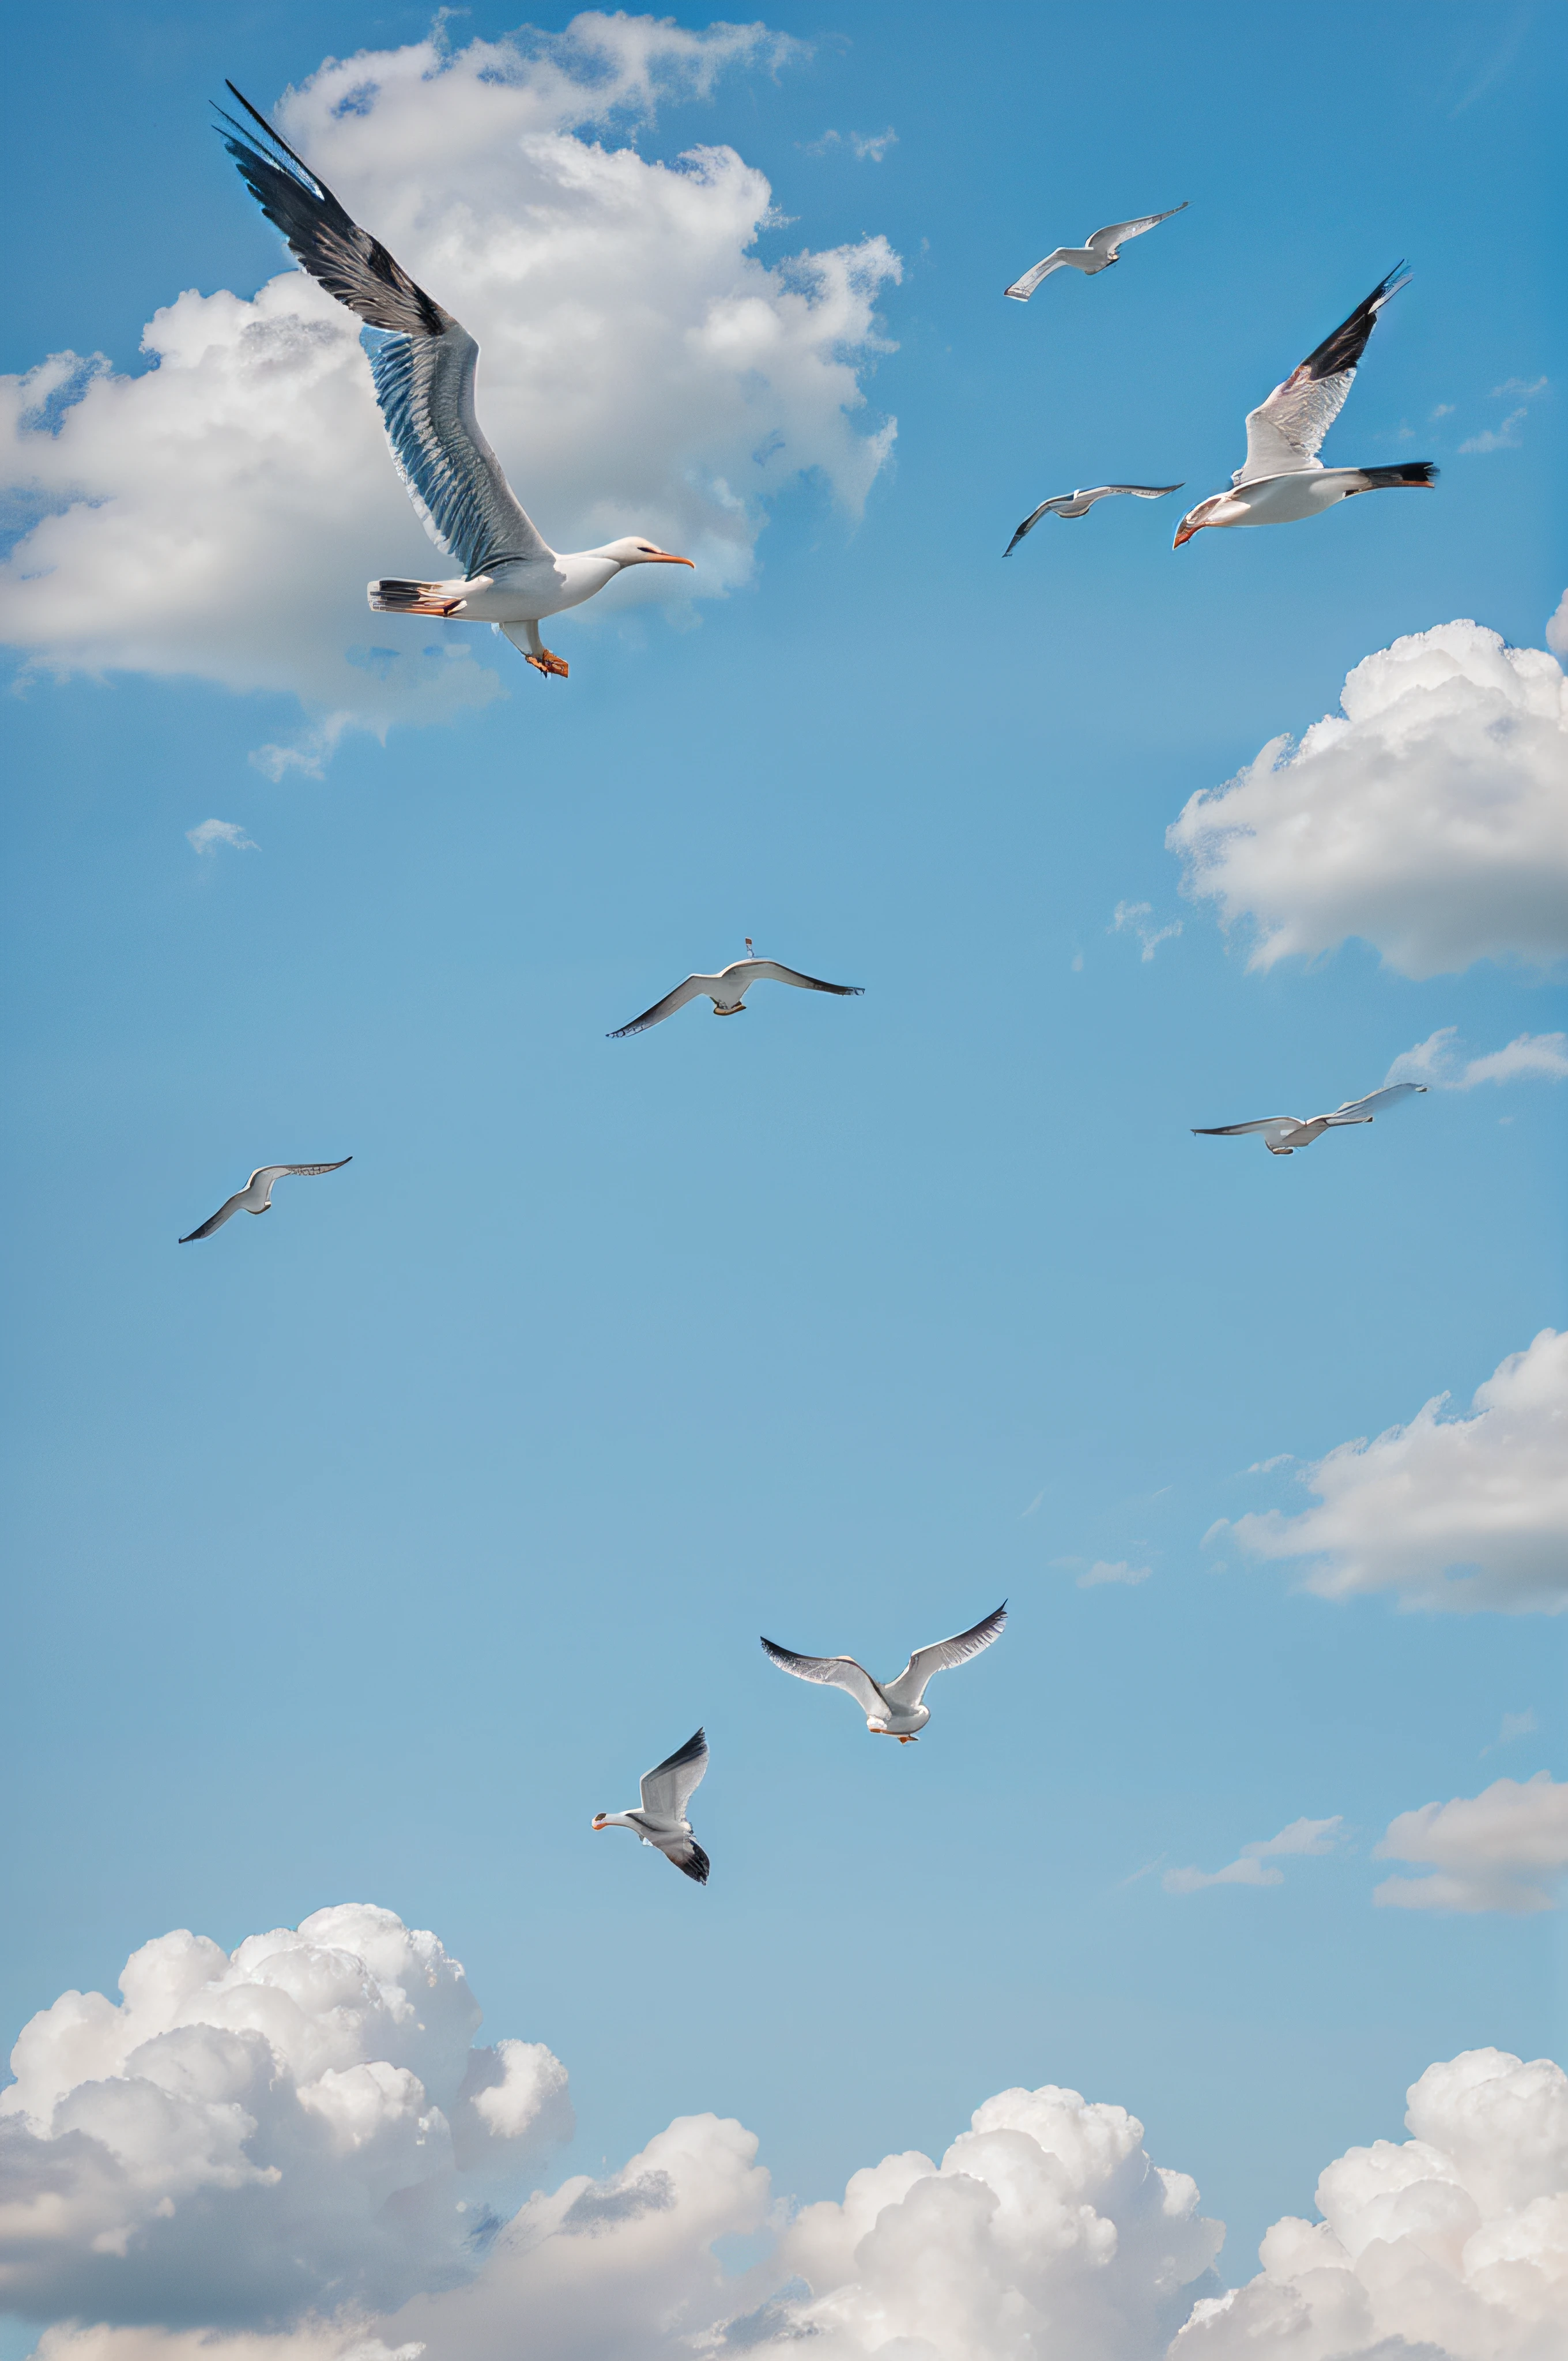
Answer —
1235 1130
670 1786
839 1672
1106 240
214 1221
1047 508
1285 433
942 1655
693 986
769 972
1363 1110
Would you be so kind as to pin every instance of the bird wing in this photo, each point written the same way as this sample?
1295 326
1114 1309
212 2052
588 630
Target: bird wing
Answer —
942 1655
839 1672
769 972
1022 289
272 1172
668 1788
690 1856
422 362
1363 1110
1285 433
1046 508
1106 240
691 990
1235 1130
1138 491
214 1221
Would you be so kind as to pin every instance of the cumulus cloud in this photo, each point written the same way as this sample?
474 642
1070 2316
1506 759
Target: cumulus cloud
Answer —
1557 626
1491 1851
1451 2245
210 833
1456 1513
300 2124
1430 817
1137 918
1437 1062
219 514
1255 1866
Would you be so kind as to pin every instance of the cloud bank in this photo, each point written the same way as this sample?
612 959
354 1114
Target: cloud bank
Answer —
1430 817
1502 1850
1446 1513
219 514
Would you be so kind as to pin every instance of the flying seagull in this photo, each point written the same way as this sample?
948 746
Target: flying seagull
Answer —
728 991
1077 504
660 1819
256 1197
424 365
1098 253
1283 478
892 1709
1284 1134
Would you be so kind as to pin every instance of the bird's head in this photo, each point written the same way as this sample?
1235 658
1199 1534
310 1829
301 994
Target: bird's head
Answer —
1196 519
636 549
601 1819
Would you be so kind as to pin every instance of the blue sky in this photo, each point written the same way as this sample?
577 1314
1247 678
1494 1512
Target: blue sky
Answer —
363 1557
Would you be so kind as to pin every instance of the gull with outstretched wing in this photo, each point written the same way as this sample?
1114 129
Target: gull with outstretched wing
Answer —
1282 1135
1077 504
892 1709
1282 478
728 991
256 1197
660 1819
423 365
1097 253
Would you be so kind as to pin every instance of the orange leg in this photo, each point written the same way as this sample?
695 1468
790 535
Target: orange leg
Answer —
547 662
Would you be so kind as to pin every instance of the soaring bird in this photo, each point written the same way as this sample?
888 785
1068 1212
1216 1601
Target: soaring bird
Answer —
1283 480
1284 1134
256 1197
660 1819
1098 253
422 364
1077 504
892 1709
728 991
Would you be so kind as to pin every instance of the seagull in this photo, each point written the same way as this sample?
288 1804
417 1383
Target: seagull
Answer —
892 1709
1283 478
1098 253
256 1197
1284 1134
423 365
728 991
661 1820
1077 504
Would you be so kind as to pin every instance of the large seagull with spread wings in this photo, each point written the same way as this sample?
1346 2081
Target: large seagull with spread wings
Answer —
1282 1135
892 1709
423 368
660 1819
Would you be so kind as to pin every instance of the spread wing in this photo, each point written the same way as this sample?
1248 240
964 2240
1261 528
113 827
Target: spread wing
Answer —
214 1221
840 1671
1363 1110
1285 433
942 1655
1047 508
423 361
769 972
1022 289
690 1856
668 1788
1237 1130
1105 241
691 988
1138 491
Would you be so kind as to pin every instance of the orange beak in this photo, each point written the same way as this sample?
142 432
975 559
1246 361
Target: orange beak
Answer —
666 557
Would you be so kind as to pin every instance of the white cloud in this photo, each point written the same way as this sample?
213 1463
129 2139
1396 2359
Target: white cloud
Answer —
298 2125
1512 1726
1505 437
1491 1851
1528 1057
1430 818
1252 1866
1557 626
1138 918
219 514
867 147
1456 1513
1517 385
1102 1571
210 833
1454 2241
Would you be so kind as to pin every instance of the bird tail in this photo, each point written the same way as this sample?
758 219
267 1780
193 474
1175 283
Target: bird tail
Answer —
1408 471
413 597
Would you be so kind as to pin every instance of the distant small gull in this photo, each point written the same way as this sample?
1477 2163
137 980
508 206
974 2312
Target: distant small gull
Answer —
1282 1135
256 1197
1100 251
1077 504
892 1709
1283 480
728 991
660 1819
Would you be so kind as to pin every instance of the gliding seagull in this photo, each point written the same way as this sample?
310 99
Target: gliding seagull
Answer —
1077 504
1284 1134
423 368
892 1709
661 1820
1283 480
728 991
256 1197
1101 248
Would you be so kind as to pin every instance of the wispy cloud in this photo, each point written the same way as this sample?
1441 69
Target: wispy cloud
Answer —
1506 437
1103 1571
1515 385
1528 1057
214 832
1255 1863
1514 1726
866 146
1137 918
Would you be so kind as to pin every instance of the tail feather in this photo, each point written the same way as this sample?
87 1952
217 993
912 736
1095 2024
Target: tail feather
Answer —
1408 471
396 597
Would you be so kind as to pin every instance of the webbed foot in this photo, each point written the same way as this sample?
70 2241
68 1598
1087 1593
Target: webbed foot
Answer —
548 663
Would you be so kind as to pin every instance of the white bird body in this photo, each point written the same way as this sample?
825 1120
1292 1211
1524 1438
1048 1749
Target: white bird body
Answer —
1282 1135
1282 480
423 366
1079 503
1099 251
728 991
892 1709
660 1819
256 1197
